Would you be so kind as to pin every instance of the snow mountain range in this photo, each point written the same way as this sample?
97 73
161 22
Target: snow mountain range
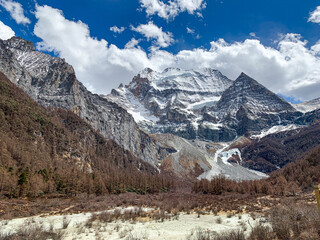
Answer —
192 124
202 104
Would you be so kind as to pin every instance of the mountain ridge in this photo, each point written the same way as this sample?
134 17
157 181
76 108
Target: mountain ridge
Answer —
165 102
200 106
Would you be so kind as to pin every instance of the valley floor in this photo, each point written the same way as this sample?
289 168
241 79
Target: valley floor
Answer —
159 216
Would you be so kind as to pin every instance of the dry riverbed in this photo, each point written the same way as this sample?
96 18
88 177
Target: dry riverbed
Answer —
95 226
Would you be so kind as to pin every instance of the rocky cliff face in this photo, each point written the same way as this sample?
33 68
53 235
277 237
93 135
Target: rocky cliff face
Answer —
171 101
52 82
247 107
204 105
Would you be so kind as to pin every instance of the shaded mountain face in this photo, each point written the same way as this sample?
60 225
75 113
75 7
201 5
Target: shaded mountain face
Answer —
309 118
52 82
25 120
276 150
247 106
204 105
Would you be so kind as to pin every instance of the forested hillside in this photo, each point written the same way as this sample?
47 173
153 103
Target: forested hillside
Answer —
276 150
52 151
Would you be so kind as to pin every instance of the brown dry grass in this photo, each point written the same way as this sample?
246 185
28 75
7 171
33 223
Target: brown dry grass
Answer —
168 202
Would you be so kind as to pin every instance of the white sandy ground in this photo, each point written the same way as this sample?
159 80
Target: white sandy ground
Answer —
176 229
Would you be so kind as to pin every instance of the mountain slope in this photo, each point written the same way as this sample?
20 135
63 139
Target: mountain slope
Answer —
196 159
45 152
247 106
303 173
276 150
52 82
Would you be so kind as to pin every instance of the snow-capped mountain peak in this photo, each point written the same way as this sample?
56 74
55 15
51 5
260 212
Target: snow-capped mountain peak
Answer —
203 81
171 100
202 104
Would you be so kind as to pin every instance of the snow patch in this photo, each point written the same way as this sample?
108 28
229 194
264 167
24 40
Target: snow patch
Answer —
214 126
275 129
206 102
133 106
173 229
225 156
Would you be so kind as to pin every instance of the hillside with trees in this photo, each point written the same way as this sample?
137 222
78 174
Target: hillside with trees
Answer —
52 151
276 150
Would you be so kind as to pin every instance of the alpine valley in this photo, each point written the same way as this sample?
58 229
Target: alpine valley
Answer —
159 120
186 123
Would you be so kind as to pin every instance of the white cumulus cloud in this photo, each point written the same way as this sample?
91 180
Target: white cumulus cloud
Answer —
315 16
98 65
116 29
190 31
191 5
291 68
172 8
16 11
132 43
5 31
151 31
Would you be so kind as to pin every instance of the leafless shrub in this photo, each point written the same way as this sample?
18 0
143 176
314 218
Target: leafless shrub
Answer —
4 222
65 222
219 220
294 220
106 217
199 212
91 220
253 215
175 214
200 234
230 214
231 235
31 233
261 232
110 216
243 226
117 227
160 216
123 233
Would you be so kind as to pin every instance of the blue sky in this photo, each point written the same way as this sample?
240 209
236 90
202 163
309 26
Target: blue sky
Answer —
276 42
